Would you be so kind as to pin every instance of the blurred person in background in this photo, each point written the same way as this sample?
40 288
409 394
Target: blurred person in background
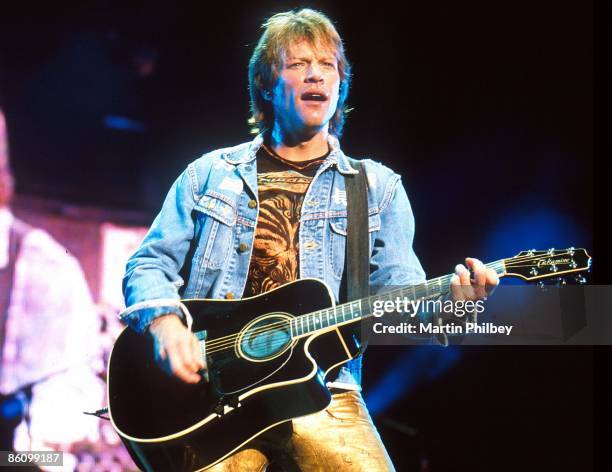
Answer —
48 337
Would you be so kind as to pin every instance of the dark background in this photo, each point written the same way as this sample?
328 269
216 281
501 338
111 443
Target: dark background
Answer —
485 108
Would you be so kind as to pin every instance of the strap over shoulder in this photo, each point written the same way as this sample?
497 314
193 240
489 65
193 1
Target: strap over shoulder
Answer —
357 245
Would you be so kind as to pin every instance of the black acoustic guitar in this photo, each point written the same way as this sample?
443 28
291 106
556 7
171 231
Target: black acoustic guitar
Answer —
268 359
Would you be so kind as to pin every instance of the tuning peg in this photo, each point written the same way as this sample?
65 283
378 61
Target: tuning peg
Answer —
551 251
553 268
561 282
571 251
542 287
580 279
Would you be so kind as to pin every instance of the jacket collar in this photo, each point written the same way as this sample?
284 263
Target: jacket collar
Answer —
245 153
338 158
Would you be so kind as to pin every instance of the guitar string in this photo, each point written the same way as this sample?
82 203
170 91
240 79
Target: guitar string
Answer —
227 342
531 265
511 262
515 259
281 323
311 317
262 342
528 258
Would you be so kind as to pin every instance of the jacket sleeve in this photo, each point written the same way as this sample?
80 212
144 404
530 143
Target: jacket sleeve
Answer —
393 263
152 281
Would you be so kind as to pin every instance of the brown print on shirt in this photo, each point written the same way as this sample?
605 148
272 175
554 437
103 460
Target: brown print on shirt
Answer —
275 259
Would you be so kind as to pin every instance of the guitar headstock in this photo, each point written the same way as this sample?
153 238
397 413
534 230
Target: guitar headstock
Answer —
538 265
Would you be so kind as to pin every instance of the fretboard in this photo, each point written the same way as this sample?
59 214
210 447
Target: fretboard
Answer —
354 311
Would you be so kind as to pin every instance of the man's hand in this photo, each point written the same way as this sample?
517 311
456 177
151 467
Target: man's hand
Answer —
176 348
484 281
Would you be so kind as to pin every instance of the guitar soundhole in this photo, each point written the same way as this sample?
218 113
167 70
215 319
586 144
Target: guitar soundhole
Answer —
266 337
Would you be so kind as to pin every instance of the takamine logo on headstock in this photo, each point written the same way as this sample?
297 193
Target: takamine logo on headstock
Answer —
538 265
550 262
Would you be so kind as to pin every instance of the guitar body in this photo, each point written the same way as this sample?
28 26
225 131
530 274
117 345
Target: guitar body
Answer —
268 357
258 379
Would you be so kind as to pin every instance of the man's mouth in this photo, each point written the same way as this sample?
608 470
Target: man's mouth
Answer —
314 96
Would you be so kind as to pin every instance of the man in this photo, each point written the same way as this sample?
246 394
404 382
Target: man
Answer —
243 220
48 334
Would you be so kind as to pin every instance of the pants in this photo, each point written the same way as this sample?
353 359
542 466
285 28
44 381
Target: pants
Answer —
342 437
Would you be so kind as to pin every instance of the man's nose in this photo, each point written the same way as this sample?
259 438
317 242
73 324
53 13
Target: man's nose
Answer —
314 73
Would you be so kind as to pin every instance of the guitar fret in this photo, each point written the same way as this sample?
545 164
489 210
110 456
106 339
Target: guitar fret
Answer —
436 287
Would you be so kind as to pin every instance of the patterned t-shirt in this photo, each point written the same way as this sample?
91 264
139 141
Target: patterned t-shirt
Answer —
282 185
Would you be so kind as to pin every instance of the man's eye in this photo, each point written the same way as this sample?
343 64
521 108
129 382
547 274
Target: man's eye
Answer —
296 65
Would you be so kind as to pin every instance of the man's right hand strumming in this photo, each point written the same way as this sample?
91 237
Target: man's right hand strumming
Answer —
176 348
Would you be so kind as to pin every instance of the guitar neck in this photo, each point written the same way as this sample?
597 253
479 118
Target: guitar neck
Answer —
352 312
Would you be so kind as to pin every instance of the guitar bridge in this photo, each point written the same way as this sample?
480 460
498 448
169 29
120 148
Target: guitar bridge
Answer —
226 404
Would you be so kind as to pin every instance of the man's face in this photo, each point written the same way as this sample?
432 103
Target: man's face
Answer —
305 95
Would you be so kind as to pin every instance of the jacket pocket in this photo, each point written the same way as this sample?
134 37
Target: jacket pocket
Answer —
337 240
216 215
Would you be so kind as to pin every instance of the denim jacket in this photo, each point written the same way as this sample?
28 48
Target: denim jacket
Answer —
199 245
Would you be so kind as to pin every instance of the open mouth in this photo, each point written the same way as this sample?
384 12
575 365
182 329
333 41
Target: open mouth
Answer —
314 97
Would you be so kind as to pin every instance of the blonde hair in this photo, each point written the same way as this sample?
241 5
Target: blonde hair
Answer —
280 31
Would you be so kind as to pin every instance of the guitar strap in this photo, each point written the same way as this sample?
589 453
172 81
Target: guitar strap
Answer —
357 260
